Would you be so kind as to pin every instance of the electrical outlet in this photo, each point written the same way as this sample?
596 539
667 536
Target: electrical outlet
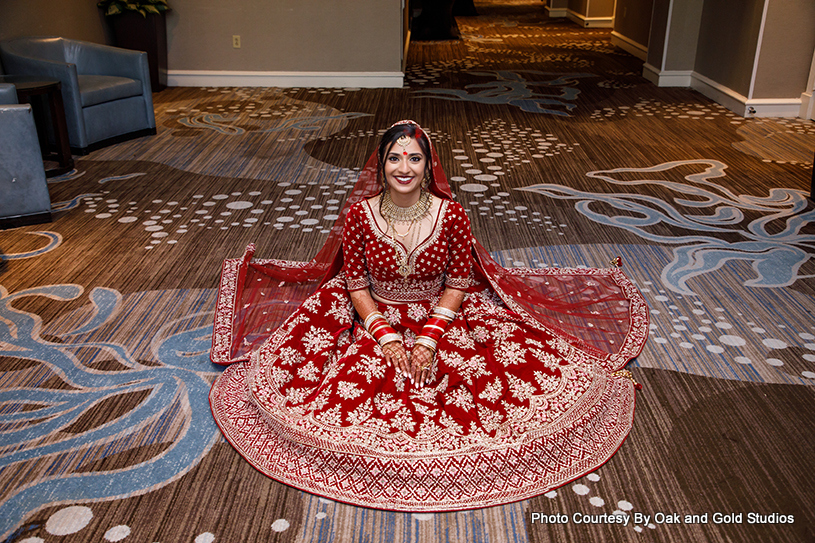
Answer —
236 42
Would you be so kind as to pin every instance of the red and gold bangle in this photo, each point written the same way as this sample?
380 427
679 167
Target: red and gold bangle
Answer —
380 329
434 327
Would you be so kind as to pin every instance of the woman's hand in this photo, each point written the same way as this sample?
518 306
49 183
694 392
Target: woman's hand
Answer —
421 362
396 355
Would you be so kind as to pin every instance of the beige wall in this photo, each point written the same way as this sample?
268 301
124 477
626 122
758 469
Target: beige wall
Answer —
279 35
728 38
632 19
286 35
76 19
686 17
787 46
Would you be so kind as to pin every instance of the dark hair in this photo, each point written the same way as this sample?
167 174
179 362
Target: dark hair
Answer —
389 139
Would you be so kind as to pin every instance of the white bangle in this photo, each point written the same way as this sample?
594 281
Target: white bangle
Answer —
371 318
444 312
387 338
426 342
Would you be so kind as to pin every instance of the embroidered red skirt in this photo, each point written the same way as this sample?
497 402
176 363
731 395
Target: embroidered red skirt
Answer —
511 411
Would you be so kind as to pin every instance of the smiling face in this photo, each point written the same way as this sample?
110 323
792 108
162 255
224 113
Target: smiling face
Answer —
404 169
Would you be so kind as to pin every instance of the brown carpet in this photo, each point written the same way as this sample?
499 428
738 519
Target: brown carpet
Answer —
562 154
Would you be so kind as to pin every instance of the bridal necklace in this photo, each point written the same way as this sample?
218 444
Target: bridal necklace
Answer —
393 212
411 215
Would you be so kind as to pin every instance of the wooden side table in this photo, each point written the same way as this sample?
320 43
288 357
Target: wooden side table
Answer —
50 90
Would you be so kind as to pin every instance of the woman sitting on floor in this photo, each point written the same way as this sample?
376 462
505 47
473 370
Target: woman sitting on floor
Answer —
420 375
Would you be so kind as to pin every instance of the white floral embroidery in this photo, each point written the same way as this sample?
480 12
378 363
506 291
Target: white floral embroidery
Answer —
342 312
549 360
332 417
519 388
492 392
309 372
378 425
403 420
289 356
460 337
321 400
370 367
450 423
294 321
461 397
279 376
560 345
316 340
480 334
297 395
472 366
416 312
361 413
312 303
386 403
490 420
392 315
348 390
425 410
504 330
509 353
546 382
427 429
409 339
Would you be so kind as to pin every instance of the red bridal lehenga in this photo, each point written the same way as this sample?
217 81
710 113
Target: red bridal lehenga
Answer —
527 392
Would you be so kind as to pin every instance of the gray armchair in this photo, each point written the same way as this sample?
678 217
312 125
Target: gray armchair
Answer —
24 197
106 90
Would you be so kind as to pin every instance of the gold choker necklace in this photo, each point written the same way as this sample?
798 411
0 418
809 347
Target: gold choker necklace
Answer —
393 212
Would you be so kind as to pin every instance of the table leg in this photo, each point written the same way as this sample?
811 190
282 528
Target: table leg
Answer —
66 160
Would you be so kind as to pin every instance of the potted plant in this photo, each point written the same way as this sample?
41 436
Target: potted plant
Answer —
140 25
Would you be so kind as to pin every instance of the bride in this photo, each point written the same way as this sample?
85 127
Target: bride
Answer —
410 371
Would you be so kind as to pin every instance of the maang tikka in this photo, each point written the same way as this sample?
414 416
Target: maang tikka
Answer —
403 142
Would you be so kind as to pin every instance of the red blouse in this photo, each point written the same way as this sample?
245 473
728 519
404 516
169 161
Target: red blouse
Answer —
444 258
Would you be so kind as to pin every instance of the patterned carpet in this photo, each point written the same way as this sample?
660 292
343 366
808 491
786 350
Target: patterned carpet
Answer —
562 154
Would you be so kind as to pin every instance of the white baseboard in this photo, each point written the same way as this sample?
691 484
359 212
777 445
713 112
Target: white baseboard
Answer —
556 13
202 78
628 45
590 22
667 78
741 105
735 102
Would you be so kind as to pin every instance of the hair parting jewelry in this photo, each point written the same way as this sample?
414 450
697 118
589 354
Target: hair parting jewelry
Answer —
403 142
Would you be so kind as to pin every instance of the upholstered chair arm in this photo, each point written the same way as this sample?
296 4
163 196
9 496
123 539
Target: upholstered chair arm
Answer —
22 177
63 72
8 94
95 59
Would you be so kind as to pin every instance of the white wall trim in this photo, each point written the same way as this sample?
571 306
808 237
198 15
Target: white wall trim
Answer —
556 13
741 105
203 78
667 78
735 102
590 22
627 44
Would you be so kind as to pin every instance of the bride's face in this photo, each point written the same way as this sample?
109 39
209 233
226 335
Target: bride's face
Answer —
404 170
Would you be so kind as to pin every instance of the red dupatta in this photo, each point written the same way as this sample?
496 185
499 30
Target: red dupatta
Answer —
597 310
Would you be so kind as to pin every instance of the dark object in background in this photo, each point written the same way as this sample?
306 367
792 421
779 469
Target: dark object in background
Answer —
437 19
